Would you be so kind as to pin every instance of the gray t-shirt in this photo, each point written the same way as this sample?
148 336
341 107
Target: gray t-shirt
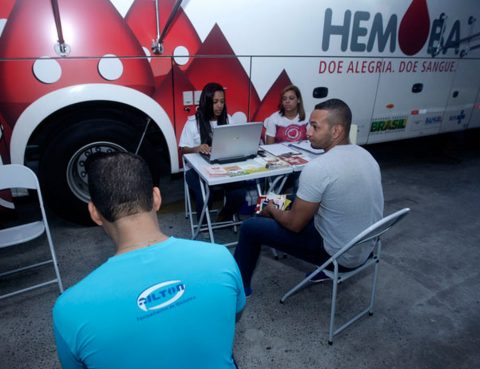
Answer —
346 181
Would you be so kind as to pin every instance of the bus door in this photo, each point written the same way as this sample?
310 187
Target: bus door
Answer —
410 101
461 99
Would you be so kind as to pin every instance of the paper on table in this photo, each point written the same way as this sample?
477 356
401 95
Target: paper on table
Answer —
279 149
305 145
216 171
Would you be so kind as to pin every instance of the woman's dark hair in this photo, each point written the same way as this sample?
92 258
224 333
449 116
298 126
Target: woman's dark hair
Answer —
205 112
300 108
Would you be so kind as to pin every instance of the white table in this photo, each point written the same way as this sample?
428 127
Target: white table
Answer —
199 164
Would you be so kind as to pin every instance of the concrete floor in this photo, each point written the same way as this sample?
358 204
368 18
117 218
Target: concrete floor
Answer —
427 312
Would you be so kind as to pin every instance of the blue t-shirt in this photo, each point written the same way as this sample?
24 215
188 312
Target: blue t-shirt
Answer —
170 305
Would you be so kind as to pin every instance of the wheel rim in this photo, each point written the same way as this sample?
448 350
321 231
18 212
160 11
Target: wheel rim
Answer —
77 177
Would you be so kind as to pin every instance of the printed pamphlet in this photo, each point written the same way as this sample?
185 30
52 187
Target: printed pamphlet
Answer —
294 159
280 201
216 171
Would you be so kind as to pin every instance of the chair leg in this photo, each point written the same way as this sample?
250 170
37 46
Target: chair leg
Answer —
374 288
303 283
57 273
185 191
235 220
54 257
186 199
332 311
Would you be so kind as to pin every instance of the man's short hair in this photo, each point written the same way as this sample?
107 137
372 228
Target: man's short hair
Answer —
120 184
338 113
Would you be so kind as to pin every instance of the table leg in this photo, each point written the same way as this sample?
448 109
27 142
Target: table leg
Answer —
205 212
188 201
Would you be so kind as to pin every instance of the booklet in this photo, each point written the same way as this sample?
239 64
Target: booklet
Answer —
273 162
296 159
216 171
233 170
241 169
280 201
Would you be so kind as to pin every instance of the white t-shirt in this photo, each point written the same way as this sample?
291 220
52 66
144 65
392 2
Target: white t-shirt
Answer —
346 181
284 129
191 135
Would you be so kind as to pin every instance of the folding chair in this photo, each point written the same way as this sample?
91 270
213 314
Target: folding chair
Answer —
372 233
19 176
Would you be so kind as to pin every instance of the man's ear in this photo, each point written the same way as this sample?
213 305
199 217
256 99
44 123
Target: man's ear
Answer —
94 214
157 199
337 131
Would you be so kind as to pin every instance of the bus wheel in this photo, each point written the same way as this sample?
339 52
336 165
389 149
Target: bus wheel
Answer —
62 167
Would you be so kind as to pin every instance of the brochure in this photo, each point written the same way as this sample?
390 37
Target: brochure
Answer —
273 162
235 170
280 201
296 159
216 171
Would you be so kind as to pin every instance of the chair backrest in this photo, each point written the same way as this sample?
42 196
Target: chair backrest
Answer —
17 176
374 231
20 176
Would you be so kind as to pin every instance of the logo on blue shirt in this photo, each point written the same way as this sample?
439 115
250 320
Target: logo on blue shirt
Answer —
160 295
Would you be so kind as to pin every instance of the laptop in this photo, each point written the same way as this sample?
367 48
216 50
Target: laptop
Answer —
234 142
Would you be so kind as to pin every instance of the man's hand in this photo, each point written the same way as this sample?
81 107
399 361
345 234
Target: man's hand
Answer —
301 213
267 210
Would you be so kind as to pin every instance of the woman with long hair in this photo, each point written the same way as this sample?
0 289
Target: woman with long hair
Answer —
288 123
197 138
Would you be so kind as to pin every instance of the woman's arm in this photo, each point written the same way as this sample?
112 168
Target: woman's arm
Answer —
204 149
269 140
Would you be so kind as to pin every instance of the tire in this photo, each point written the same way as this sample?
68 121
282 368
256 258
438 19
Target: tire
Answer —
62 175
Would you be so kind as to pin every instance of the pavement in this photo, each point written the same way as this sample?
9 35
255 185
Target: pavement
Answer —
427 310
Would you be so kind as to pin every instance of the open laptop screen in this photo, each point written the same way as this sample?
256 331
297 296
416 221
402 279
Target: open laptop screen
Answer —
235 142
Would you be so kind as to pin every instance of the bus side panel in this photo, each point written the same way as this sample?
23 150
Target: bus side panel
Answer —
410 102
308 73
475 119
462 96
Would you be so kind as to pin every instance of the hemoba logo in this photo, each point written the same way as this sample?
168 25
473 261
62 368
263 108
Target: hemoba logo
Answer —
359 33
160 295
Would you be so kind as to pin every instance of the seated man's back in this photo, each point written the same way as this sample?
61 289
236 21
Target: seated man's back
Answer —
346 181
171 305
159 302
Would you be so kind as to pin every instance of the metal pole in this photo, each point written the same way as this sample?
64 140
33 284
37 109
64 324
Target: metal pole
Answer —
61 47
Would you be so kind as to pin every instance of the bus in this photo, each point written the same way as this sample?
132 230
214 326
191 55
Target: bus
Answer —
79 77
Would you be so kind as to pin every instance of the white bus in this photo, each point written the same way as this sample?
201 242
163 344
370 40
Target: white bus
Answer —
98 75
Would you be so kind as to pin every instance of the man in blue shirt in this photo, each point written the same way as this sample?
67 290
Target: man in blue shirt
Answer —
159 302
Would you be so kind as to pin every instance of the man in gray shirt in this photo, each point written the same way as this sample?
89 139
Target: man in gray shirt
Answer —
339 195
